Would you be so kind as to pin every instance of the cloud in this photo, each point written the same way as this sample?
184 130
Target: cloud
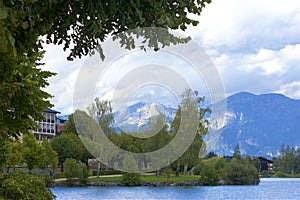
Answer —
291 89
266 60
255 46
248 25
62 84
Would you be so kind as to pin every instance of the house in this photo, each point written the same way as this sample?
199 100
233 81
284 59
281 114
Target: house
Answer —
61 122
264 164
47 128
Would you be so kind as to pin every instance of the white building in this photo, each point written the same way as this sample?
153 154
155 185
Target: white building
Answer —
47 129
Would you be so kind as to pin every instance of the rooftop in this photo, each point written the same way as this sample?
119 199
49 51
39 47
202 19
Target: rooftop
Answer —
49 110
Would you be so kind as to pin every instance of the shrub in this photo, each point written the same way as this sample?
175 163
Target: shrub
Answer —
71 169
167 171
209 176
129 179
49 181
197 170
107 172
18 185
60 175
264 173
84 174
235 173
281 174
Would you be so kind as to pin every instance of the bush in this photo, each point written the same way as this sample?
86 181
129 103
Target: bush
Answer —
235 173
60 175
84 174
2 178
281 174
71 169
49 181
107 172
74 171
264 174
18 185
167 171
197 170
129 179
209 176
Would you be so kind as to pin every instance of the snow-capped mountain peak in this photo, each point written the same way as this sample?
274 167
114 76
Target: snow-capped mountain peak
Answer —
139 115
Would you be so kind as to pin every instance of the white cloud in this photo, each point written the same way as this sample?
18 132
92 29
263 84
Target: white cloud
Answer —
291 89
254 44
248 25
265 59
62 84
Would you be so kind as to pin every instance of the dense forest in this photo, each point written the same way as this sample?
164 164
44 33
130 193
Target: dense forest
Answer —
288 161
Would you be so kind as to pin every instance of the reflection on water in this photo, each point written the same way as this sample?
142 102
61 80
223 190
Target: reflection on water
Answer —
279 188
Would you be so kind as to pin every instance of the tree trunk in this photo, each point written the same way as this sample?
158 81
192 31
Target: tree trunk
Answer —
185 168
177 170
158 172
191 172
98 169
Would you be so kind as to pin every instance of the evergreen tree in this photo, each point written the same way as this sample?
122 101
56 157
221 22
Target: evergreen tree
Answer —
237 152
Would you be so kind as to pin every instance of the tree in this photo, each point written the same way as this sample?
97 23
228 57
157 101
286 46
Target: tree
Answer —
237 152
79 25
69 145
4 151
288 161
21 96
101 111
32 152
216 162
238 173
209 176
51 157
18 185
87 23
191 103
157 141
71 169
70 126
15 154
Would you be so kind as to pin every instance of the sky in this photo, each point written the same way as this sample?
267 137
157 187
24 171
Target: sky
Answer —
254 46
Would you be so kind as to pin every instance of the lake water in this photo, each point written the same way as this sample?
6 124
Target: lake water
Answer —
272 188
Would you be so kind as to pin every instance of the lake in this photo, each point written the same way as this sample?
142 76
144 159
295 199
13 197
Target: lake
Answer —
269 188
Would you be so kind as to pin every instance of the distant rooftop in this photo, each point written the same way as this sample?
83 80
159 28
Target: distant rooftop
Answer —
49 110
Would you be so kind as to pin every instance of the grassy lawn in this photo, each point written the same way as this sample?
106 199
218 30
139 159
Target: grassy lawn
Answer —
173 179
106 179
151 178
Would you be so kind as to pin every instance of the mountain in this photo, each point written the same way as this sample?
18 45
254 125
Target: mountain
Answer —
139 115
259 124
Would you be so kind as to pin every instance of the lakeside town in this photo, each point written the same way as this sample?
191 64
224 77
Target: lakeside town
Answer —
55 153
160 99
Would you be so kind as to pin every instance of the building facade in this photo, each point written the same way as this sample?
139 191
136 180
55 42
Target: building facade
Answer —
47 128
60 123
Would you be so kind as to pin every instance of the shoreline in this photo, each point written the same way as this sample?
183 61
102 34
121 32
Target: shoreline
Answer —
119 184
64 184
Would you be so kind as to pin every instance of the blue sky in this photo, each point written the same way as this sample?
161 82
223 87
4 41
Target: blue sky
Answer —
254 45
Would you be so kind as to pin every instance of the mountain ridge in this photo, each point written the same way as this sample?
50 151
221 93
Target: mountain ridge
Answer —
259 124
